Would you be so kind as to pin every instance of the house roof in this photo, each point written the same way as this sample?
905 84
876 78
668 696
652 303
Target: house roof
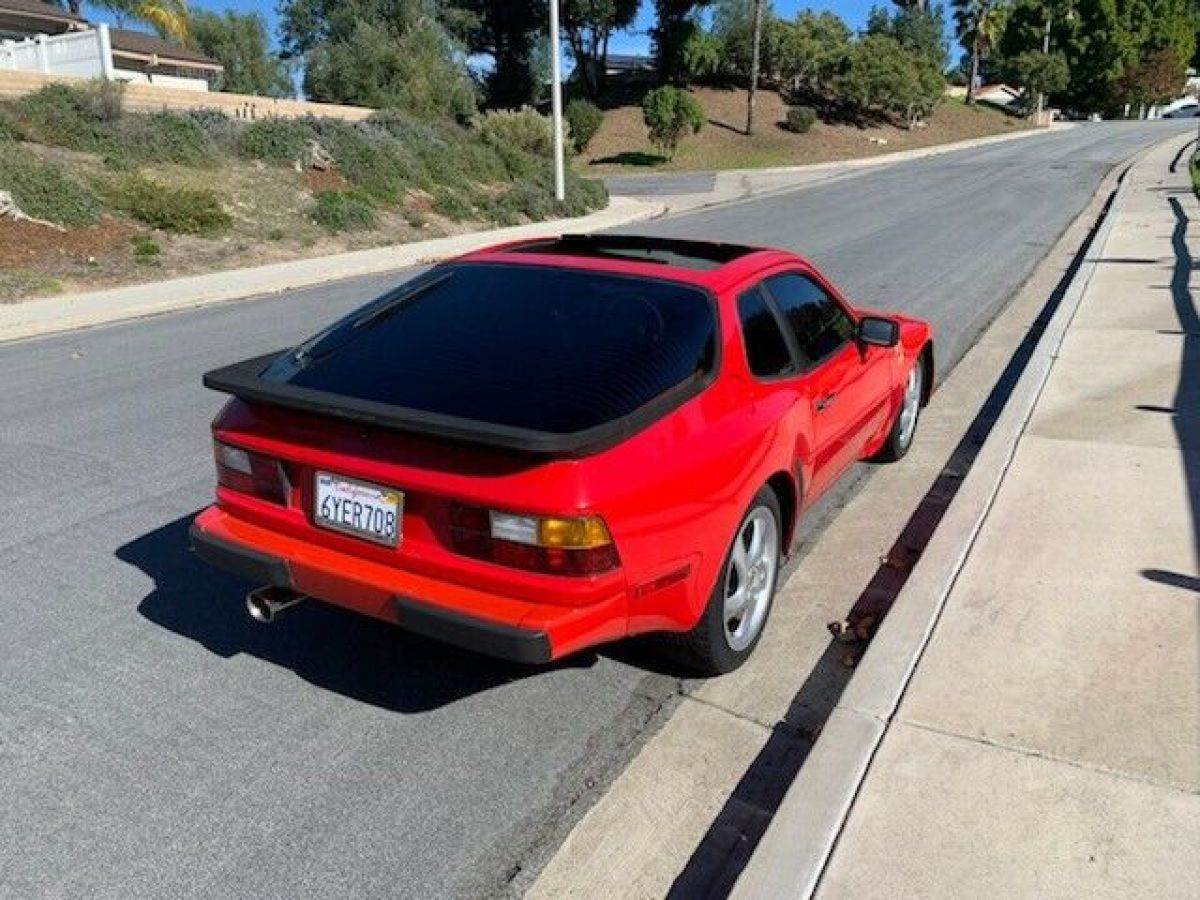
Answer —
619 62
39 9
139 44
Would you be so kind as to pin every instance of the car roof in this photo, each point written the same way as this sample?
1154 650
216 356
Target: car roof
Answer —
710 264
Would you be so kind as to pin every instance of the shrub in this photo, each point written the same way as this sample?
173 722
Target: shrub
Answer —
168 137
9 130
278 141
64 117
584 118
103 101
670 113
800 119
884 76
144 247
522 129
220 129
185 210
451 204
44 192
345 211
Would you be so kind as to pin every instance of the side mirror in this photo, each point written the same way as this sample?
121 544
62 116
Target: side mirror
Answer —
878 331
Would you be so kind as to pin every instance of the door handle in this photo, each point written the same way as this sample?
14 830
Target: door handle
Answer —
825 402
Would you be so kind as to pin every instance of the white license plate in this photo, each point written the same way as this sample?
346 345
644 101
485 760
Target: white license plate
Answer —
367 511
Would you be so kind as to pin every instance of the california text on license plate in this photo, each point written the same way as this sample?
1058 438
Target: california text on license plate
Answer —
368 511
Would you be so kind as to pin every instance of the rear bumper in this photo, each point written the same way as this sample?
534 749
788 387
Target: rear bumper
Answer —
485 623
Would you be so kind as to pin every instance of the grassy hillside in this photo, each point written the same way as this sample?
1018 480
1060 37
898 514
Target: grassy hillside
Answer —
126 197
621 144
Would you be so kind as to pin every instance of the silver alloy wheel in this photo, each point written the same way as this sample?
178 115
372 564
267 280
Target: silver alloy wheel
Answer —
750 578
912 404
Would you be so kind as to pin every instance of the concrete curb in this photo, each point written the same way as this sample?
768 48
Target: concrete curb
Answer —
54 314
795 849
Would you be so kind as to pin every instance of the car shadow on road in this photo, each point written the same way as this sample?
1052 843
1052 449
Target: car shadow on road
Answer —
341 651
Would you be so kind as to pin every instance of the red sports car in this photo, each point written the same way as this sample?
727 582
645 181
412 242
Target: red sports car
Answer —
549 444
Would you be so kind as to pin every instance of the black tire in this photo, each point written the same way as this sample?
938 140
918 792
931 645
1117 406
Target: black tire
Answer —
900 438
707 649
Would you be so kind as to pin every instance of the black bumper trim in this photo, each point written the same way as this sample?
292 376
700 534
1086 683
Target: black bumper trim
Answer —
252 565
478 635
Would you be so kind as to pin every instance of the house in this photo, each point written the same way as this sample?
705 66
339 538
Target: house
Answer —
21 19
1002 96
41 37
138 56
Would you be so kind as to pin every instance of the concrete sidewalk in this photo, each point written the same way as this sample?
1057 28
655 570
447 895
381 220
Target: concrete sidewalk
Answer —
1048 742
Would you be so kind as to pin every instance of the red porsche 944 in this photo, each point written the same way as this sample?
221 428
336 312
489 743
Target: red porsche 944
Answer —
546 445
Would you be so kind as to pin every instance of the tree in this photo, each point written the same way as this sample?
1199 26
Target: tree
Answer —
168 17
884 76
588 25
1158 78
507 32
669 114
980 25
1040 74
239 42
674 24
702 53
920 29
810 50
382 53
755 59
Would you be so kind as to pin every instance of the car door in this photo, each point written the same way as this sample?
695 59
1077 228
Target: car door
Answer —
845 383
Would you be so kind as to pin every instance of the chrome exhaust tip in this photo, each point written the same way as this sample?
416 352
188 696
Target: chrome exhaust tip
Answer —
266 604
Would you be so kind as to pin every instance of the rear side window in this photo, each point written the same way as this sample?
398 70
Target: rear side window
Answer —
818 321
766 349
534 347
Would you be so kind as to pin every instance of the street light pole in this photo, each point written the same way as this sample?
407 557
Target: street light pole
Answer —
560 188
1041 104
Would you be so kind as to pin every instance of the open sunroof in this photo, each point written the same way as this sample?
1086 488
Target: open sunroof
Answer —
665 251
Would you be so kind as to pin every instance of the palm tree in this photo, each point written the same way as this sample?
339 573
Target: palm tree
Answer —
980 25
168 17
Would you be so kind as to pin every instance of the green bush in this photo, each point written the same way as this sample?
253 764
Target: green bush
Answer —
345 211
883 76
451 204
9 130
669 114
278 141
168 137
522 129
145 247
44 192
185 210
800 119
220 128
585 119
67 117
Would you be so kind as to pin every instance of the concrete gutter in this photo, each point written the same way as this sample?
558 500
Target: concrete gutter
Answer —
795 849
63 313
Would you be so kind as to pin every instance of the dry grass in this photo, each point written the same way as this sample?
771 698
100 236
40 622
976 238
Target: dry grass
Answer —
621 144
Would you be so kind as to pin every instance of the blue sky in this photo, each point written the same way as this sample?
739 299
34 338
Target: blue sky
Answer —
635 41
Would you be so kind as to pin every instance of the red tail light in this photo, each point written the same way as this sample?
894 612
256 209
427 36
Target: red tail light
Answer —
251 473
554 545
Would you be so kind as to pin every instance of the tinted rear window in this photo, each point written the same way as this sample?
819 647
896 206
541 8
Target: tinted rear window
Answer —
552 350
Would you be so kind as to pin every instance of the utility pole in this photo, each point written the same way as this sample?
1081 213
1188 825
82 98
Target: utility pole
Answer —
1041 104
754 62
560 187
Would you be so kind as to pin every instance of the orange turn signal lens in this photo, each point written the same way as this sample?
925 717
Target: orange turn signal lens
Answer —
580 533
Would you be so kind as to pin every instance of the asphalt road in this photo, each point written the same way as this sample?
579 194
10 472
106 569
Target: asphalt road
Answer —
155 742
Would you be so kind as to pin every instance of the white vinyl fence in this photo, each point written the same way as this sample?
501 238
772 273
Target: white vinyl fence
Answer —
87 53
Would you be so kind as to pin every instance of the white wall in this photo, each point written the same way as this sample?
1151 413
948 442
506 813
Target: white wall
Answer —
75 53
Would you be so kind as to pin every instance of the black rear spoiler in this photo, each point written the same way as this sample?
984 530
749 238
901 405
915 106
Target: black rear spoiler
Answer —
243 380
